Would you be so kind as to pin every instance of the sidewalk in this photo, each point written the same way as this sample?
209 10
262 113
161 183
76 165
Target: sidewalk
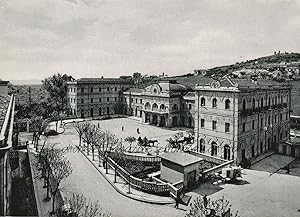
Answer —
122 187
44 207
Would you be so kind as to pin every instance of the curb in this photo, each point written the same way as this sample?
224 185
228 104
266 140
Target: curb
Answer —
121 192
263 158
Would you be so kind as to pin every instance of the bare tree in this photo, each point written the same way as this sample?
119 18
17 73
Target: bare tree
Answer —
60 170
202 208
88 134
83 207
130 140
79 127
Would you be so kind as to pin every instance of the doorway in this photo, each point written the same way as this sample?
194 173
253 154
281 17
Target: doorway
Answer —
191 179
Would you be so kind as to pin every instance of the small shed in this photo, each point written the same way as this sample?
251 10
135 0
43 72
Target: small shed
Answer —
180 166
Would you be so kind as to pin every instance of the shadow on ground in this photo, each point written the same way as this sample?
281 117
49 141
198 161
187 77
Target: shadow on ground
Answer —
277 163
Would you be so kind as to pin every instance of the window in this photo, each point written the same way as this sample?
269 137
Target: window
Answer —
244 127
202 101
116 99
227 104
175 107
92 90
82 90
100 111
99 99
253 124
214 125
227 126
136 100
214 103
275 119
100 89
190 106
202 123
141 101
162 107
269 101
253 103
262 122
92 100
82 100
269 120
280 117
154 106
107 89
154 90
275 100
262 102
107 99
227 152
116 89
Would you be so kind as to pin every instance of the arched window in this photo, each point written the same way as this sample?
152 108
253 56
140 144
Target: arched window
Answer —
202 101
175 107
154 90
154 106
227 104
214 149
244 105
162 107
107 110
214 103
227 152
100 111
147 105
262 102
202 145
92 112
253 103
269 101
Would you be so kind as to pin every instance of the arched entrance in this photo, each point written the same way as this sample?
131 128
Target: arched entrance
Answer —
190 122
147 118
202 145
162 121
92 112
174 121
226 152
214 149
154 119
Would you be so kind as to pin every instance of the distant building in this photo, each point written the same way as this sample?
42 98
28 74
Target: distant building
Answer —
4 87
239 119
7 106
166 104
91 97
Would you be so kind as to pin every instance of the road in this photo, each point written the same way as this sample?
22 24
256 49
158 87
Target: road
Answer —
87 180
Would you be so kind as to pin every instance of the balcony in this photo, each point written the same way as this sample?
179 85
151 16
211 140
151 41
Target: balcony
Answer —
252 111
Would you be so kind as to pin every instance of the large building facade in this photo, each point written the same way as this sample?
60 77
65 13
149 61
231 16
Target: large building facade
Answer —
92 97
164 104
240 119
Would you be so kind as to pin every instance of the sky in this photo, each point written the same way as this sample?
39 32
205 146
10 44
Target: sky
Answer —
94 38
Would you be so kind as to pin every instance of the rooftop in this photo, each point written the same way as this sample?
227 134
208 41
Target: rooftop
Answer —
134 90
4 103
181 158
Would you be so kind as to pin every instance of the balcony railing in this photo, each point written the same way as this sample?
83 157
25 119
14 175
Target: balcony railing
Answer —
252 111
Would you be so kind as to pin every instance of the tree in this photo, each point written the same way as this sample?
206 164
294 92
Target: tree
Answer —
79 127
89 134
130 140
56 85
83 207
60 170
200 208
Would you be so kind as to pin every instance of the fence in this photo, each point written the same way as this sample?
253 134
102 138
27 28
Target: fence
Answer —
208 158
149 187
152 159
